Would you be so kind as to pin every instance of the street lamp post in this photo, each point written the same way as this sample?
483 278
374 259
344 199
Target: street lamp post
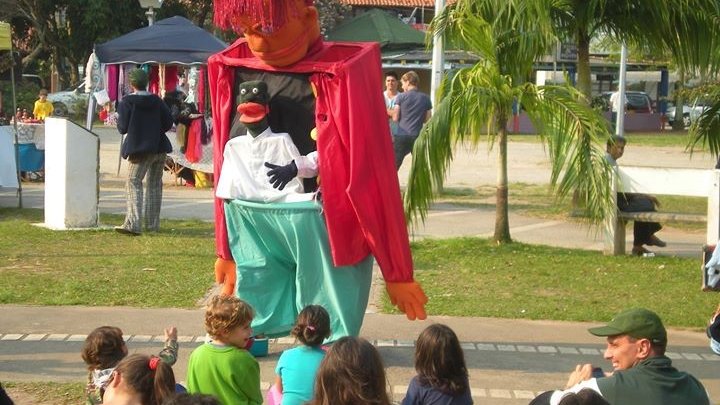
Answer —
150 5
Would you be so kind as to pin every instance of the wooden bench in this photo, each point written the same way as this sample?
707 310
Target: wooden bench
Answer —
663 181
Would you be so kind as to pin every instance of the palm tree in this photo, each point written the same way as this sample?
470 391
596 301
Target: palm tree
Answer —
508 35
687 28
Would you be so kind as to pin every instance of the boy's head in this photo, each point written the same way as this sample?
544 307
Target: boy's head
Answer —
104 348
138 79
43 93
224 315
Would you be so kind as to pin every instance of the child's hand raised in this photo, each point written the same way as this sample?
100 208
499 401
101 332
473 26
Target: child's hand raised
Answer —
171 333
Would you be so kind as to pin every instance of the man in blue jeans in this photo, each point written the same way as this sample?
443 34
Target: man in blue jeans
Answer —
412 110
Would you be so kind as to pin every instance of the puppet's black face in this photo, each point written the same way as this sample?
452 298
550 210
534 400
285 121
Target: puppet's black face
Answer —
253 107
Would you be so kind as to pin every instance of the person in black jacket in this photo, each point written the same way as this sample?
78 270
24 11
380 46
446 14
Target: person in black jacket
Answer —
143 118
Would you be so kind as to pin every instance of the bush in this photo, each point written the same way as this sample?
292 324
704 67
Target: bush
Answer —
26 93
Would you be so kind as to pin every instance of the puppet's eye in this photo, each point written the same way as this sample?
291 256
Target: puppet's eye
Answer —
255 90
243 92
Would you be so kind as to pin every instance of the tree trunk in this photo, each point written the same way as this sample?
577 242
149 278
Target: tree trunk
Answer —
584 84
502 223
679 101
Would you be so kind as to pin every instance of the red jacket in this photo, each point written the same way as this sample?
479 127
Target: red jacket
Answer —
360 189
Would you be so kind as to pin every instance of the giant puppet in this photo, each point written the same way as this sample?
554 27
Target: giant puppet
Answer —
285 254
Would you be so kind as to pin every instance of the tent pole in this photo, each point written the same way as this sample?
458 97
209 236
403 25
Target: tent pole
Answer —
15 129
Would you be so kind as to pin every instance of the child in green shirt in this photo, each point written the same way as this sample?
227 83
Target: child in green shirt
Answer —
222 366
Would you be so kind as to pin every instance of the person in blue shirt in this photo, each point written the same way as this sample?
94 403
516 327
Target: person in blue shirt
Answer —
297 367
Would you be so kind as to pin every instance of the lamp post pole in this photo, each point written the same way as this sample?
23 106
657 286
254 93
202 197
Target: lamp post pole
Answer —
438 58
150 13
150 5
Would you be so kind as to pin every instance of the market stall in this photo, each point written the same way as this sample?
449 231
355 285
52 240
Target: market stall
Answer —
166 46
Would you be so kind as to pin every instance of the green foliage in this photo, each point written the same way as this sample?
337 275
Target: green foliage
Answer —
172 268
330 13
508 35
25 92
540 282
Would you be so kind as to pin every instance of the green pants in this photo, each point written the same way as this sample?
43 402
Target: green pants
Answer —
284 264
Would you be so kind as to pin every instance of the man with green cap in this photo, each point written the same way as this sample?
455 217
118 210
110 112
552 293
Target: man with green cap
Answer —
642 374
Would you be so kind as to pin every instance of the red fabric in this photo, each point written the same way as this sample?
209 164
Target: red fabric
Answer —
200 98
113 75
171 78
154 80
361 195
193 149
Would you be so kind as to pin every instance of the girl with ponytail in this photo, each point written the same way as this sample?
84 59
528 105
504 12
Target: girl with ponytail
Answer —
297 367
140 379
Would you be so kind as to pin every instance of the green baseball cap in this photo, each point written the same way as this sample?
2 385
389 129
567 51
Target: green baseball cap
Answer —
639 323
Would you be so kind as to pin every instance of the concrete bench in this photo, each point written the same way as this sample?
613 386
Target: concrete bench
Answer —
663 181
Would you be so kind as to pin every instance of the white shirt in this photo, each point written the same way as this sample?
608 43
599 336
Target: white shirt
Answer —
615 101
244 175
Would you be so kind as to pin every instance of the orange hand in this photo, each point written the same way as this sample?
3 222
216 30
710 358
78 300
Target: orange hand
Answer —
409 298
225 274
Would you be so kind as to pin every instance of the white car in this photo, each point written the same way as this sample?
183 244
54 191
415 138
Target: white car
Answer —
690 113
70 101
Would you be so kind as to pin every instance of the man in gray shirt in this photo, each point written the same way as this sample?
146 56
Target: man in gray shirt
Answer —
412 110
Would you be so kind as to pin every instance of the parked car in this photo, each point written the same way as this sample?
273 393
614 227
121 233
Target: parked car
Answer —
690 112
70 101
638 101
34 79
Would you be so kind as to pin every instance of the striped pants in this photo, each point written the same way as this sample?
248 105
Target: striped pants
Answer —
149 168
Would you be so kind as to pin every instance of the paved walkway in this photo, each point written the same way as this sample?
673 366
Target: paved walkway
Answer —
510 361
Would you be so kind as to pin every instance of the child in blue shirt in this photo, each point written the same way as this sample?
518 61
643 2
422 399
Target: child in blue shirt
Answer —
297 367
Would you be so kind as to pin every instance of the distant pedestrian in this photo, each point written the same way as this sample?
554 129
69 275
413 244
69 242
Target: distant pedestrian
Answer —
140 379
145 118
617 104
352 373
103 349
297 367
412 109
643 231
42 108
390 93
442 376
223 366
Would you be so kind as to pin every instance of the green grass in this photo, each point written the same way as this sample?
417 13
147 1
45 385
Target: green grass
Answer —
474 277
172 268
537 200
463 277
46 393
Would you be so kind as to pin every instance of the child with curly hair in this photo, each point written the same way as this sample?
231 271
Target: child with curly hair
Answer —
222 366
298 366
442 377
103 349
